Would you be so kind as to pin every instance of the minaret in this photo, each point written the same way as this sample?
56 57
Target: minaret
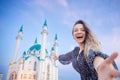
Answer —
54 49
35 41
52 53
44 36
18 40
56 44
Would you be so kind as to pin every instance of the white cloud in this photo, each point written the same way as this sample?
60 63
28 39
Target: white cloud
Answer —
69 17
111 43
47 4
115 18
63 3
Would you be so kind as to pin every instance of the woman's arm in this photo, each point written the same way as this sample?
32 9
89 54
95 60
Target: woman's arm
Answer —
64 58
104 67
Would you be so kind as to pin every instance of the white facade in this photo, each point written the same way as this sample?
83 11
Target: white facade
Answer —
36 63
1 75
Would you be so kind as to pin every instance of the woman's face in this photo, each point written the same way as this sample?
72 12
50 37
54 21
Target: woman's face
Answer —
79 33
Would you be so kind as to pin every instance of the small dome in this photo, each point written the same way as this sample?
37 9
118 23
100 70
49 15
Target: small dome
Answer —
35 47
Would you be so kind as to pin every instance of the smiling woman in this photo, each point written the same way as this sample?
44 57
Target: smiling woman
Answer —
87 59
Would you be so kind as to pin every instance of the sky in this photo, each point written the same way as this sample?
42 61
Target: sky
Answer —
102 16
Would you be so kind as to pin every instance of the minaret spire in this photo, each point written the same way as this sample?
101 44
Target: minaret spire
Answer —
45 22
35 41
21 29
44 38
54 49
56 44
18 40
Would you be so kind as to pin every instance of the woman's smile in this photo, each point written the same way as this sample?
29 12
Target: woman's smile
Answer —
79 33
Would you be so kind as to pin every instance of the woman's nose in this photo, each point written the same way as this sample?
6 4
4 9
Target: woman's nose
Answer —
79 31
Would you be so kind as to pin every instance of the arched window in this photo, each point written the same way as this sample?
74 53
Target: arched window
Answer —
48 72
34 51
35 64
39 52
30 76
13 76
24 76
34 77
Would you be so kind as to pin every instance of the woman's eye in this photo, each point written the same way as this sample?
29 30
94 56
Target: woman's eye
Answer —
83 30
75 30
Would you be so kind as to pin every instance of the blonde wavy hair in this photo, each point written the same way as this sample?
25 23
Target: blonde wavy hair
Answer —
91 42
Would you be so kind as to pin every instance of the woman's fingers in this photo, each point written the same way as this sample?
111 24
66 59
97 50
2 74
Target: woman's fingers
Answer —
115 73
110 59
55 57
108 68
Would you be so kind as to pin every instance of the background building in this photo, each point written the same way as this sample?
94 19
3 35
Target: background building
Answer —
1 75
35 63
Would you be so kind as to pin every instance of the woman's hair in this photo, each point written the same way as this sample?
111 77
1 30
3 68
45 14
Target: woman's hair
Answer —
91 42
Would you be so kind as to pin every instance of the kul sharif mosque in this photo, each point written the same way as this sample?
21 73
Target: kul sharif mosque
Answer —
35 63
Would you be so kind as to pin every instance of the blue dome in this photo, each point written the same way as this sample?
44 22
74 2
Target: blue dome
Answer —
35 47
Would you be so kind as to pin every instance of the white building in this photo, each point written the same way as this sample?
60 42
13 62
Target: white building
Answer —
36 63
1 75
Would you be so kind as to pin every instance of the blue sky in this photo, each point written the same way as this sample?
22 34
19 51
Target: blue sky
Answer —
103 17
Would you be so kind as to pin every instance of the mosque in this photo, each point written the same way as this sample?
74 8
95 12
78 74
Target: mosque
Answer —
35 63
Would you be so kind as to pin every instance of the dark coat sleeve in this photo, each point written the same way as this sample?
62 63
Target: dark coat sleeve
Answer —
93 54
66 58
91 57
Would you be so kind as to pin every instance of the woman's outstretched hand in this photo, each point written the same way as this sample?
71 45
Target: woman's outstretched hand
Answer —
55 57
106 71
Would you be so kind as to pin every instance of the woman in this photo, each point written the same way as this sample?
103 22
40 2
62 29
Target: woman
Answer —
87 59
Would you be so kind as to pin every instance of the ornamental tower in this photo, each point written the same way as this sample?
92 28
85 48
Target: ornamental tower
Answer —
44 38
54 49
56 44
18 40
